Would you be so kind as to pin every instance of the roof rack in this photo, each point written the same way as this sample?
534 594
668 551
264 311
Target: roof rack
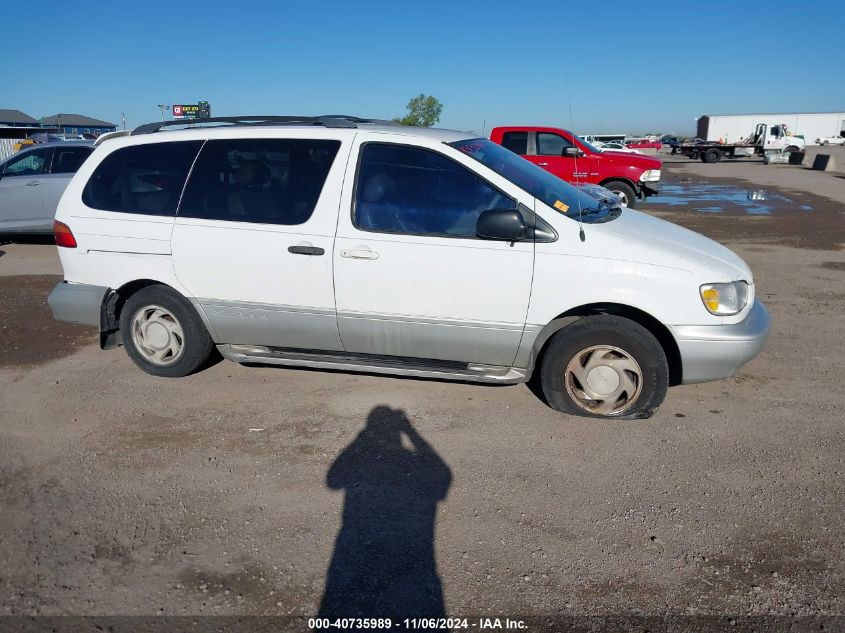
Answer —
326 120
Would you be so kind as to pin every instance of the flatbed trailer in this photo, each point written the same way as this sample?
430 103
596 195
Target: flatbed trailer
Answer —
769 141
714 152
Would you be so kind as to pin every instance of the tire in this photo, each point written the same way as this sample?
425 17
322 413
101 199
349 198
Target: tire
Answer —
621 351
163 333
624 191
791 149
712 156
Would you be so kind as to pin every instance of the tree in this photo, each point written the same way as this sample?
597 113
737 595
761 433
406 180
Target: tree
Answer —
423 111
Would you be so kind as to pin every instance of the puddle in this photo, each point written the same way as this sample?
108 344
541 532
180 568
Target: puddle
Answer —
718 198
28 334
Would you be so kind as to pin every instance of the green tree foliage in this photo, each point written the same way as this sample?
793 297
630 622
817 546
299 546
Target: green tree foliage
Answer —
423 111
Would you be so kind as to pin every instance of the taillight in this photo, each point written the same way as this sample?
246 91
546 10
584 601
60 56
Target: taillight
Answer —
63 234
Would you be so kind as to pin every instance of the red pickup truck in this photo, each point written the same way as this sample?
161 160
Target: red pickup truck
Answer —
630 176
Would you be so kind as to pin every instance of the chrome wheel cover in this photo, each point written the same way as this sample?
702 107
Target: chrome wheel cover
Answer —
604 380
158 335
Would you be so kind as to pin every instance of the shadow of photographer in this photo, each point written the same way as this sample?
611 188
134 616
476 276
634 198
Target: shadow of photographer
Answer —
383 563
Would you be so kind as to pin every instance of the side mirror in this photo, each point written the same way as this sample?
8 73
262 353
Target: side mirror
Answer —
501 224
571 152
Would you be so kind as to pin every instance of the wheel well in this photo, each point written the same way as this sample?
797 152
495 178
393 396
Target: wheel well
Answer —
657 329
628 182
113 305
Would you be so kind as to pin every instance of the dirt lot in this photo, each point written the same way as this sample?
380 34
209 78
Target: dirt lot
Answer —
223 493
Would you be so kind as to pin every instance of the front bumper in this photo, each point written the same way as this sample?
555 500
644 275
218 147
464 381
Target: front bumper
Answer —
77 303
713 352
649 188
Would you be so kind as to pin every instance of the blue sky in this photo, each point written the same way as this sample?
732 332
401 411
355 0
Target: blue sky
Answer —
626 66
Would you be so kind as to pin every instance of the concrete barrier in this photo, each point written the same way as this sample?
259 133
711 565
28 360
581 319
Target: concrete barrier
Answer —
824 162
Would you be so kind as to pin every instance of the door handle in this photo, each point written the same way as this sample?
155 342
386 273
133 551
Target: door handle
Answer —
306 250
359 253
33 183
542 164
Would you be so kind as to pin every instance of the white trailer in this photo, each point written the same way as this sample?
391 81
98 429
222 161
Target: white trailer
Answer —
729 128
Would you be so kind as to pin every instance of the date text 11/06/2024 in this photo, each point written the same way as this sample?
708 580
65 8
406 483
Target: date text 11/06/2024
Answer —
447 624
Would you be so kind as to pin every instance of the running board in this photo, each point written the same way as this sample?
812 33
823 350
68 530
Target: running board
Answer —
368 363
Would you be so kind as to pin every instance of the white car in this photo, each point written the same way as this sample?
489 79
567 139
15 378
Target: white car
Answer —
831 140
616 146
32 182
335 242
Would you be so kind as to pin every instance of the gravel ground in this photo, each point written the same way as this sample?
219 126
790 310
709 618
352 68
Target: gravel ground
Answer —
223 493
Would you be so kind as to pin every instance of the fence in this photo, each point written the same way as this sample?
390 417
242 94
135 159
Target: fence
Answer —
7 147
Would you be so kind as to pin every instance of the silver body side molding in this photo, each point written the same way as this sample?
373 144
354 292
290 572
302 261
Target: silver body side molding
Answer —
397 367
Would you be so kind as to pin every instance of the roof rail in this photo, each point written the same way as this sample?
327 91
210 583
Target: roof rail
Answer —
107 135
330 120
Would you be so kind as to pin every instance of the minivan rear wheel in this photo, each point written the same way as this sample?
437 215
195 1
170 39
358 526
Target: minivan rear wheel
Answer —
163 333
605 366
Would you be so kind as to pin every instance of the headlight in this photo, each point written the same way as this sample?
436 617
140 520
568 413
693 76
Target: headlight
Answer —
724 299
650 175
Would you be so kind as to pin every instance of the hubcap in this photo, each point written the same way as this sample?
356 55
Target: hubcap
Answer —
158 335
603 379
623 199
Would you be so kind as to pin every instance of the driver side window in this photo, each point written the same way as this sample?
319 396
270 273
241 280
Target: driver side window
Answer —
30 164
551 144
415 191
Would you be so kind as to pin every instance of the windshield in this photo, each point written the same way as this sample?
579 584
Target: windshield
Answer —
588 145
548 188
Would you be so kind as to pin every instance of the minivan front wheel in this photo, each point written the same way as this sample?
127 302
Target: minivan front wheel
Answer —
605 366
163 333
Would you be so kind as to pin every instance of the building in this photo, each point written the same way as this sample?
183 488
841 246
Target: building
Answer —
74 124
732 127
16 118
15 126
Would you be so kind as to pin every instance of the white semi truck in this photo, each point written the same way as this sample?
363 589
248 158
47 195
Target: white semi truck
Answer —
765 140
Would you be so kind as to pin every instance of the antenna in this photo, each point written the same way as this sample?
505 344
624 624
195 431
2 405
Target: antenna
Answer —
575 158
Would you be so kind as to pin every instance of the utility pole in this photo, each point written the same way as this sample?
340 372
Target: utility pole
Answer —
123 119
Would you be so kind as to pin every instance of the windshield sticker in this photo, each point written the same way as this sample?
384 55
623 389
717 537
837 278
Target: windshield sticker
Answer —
470 148
562 207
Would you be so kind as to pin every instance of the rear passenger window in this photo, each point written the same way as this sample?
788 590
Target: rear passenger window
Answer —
145 179
517 142
69 160
268 181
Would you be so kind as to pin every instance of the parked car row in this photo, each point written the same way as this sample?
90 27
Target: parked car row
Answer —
643 143
335 242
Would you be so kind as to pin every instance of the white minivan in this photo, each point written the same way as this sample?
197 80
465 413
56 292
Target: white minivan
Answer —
344 243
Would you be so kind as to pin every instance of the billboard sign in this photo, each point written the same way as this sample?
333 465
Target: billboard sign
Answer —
185 111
